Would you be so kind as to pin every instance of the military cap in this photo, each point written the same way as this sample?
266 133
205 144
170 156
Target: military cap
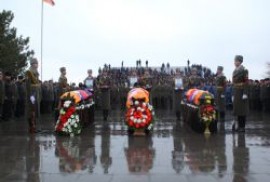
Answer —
239 58
33 61
220 68
62 69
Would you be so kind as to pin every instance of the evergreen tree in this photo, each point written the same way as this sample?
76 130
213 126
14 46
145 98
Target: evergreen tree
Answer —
14 49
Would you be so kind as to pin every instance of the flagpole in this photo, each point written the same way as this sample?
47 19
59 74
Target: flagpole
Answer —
41 41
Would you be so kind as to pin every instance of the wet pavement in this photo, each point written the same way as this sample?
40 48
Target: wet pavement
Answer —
104 152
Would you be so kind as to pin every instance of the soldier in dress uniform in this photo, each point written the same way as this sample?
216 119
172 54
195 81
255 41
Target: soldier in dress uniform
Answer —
104 86
21 89
2 93
194 81
63 82
240 93
178 92
220 92
9 97
33 92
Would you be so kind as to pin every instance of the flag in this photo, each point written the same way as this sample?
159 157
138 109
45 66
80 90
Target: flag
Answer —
51 2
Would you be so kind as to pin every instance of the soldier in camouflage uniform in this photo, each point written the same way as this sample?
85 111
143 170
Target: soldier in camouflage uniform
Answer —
146 81
2 93
33 92
194 81
63 82
240 93
220 92
104 86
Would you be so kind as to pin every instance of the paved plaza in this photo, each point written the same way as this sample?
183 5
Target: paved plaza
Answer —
105 153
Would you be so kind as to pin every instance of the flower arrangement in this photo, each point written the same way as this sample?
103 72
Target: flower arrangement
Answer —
140 115
68 121
208 115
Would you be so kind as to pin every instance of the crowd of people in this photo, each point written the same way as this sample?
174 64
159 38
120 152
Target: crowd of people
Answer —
112 84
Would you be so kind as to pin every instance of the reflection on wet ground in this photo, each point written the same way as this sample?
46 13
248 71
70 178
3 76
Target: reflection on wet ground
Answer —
104 152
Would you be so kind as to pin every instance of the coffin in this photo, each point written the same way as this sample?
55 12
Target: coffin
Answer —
199 111
139 114
76 110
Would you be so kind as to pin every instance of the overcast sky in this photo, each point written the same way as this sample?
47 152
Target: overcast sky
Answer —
83 34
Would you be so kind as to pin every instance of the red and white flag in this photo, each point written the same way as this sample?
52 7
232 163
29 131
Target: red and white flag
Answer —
51 2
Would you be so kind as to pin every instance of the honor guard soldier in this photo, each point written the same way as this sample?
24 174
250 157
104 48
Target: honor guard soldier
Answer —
178 92
2 93
63 82
9 97
104 86
240 93
221 82
194 81
33 91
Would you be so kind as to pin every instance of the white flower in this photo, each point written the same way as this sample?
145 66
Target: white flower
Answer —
75 125
135 120
150 126
67 103
132 118
139 108
62 112
136 102
139 120
144 104
143 120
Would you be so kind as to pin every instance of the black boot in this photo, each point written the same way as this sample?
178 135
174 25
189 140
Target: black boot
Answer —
178 115
241 123
222 116
105 115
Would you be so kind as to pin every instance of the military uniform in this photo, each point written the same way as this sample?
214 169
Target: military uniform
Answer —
9 97
195 81
2 95
263 95
20 106
104 85
240 94
63 82
220 81
33 95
